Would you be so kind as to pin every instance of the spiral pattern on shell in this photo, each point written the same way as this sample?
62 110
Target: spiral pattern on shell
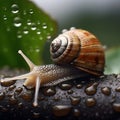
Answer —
79 48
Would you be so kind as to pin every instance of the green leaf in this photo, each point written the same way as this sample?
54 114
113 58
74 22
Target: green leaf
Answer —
113 60
23 26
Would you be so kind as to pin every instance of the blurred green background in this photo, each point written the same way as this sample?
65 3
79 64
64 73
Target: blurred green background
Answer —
102 18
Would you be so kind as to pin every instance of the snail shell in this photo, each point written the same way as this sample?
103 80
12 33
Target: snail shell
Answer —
79 48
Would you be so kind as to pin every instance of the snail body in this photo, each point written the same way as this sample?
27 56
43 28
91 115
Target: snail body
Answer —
75 53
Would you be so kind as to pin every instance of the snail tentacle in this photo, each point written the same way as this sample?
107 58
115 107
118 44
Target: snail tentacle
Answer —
28 61
38 80
20 77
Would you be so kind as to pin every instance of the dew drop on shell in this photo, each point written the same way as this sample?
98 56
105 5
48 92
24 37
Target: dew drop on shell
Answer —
91 90
106 90
7 83
90 102
49 91
75 100
116 107
61 110
76 112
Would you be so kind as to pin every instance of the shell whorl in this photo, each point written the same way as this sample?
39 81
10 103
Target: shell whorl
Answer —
80 48
65 48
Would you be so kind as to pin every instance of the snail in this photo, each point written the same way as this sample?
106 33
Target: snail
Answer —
75 53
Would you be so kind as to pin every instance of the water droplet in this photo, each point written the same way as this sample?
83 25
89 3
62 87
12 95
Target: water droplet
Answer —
2 95
76 112
118 76
106 90
91 90
38 32
40 98
9 94
25 31
112 100
31 11
56 99
61 110
40 38
48 37
7 83
44 26
20 105
11 87
37 50
36 114
70 91
38 22
17 22
116 107
29 22
90 102
64 30
3 109
49 91
72 28
65 86
19 36
18 90
15 8
117 89
26 96
97 114
8 29
24 12
79 86
51 29
13 100
75 100
4 17
33 26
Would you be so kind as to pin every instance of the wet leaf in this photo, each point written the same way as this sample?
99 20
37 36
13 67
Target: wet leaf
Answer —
113 60
26 27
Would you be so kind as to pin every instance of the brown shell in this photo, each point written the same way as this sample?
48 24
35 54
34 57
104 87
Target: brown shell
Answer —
80 48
